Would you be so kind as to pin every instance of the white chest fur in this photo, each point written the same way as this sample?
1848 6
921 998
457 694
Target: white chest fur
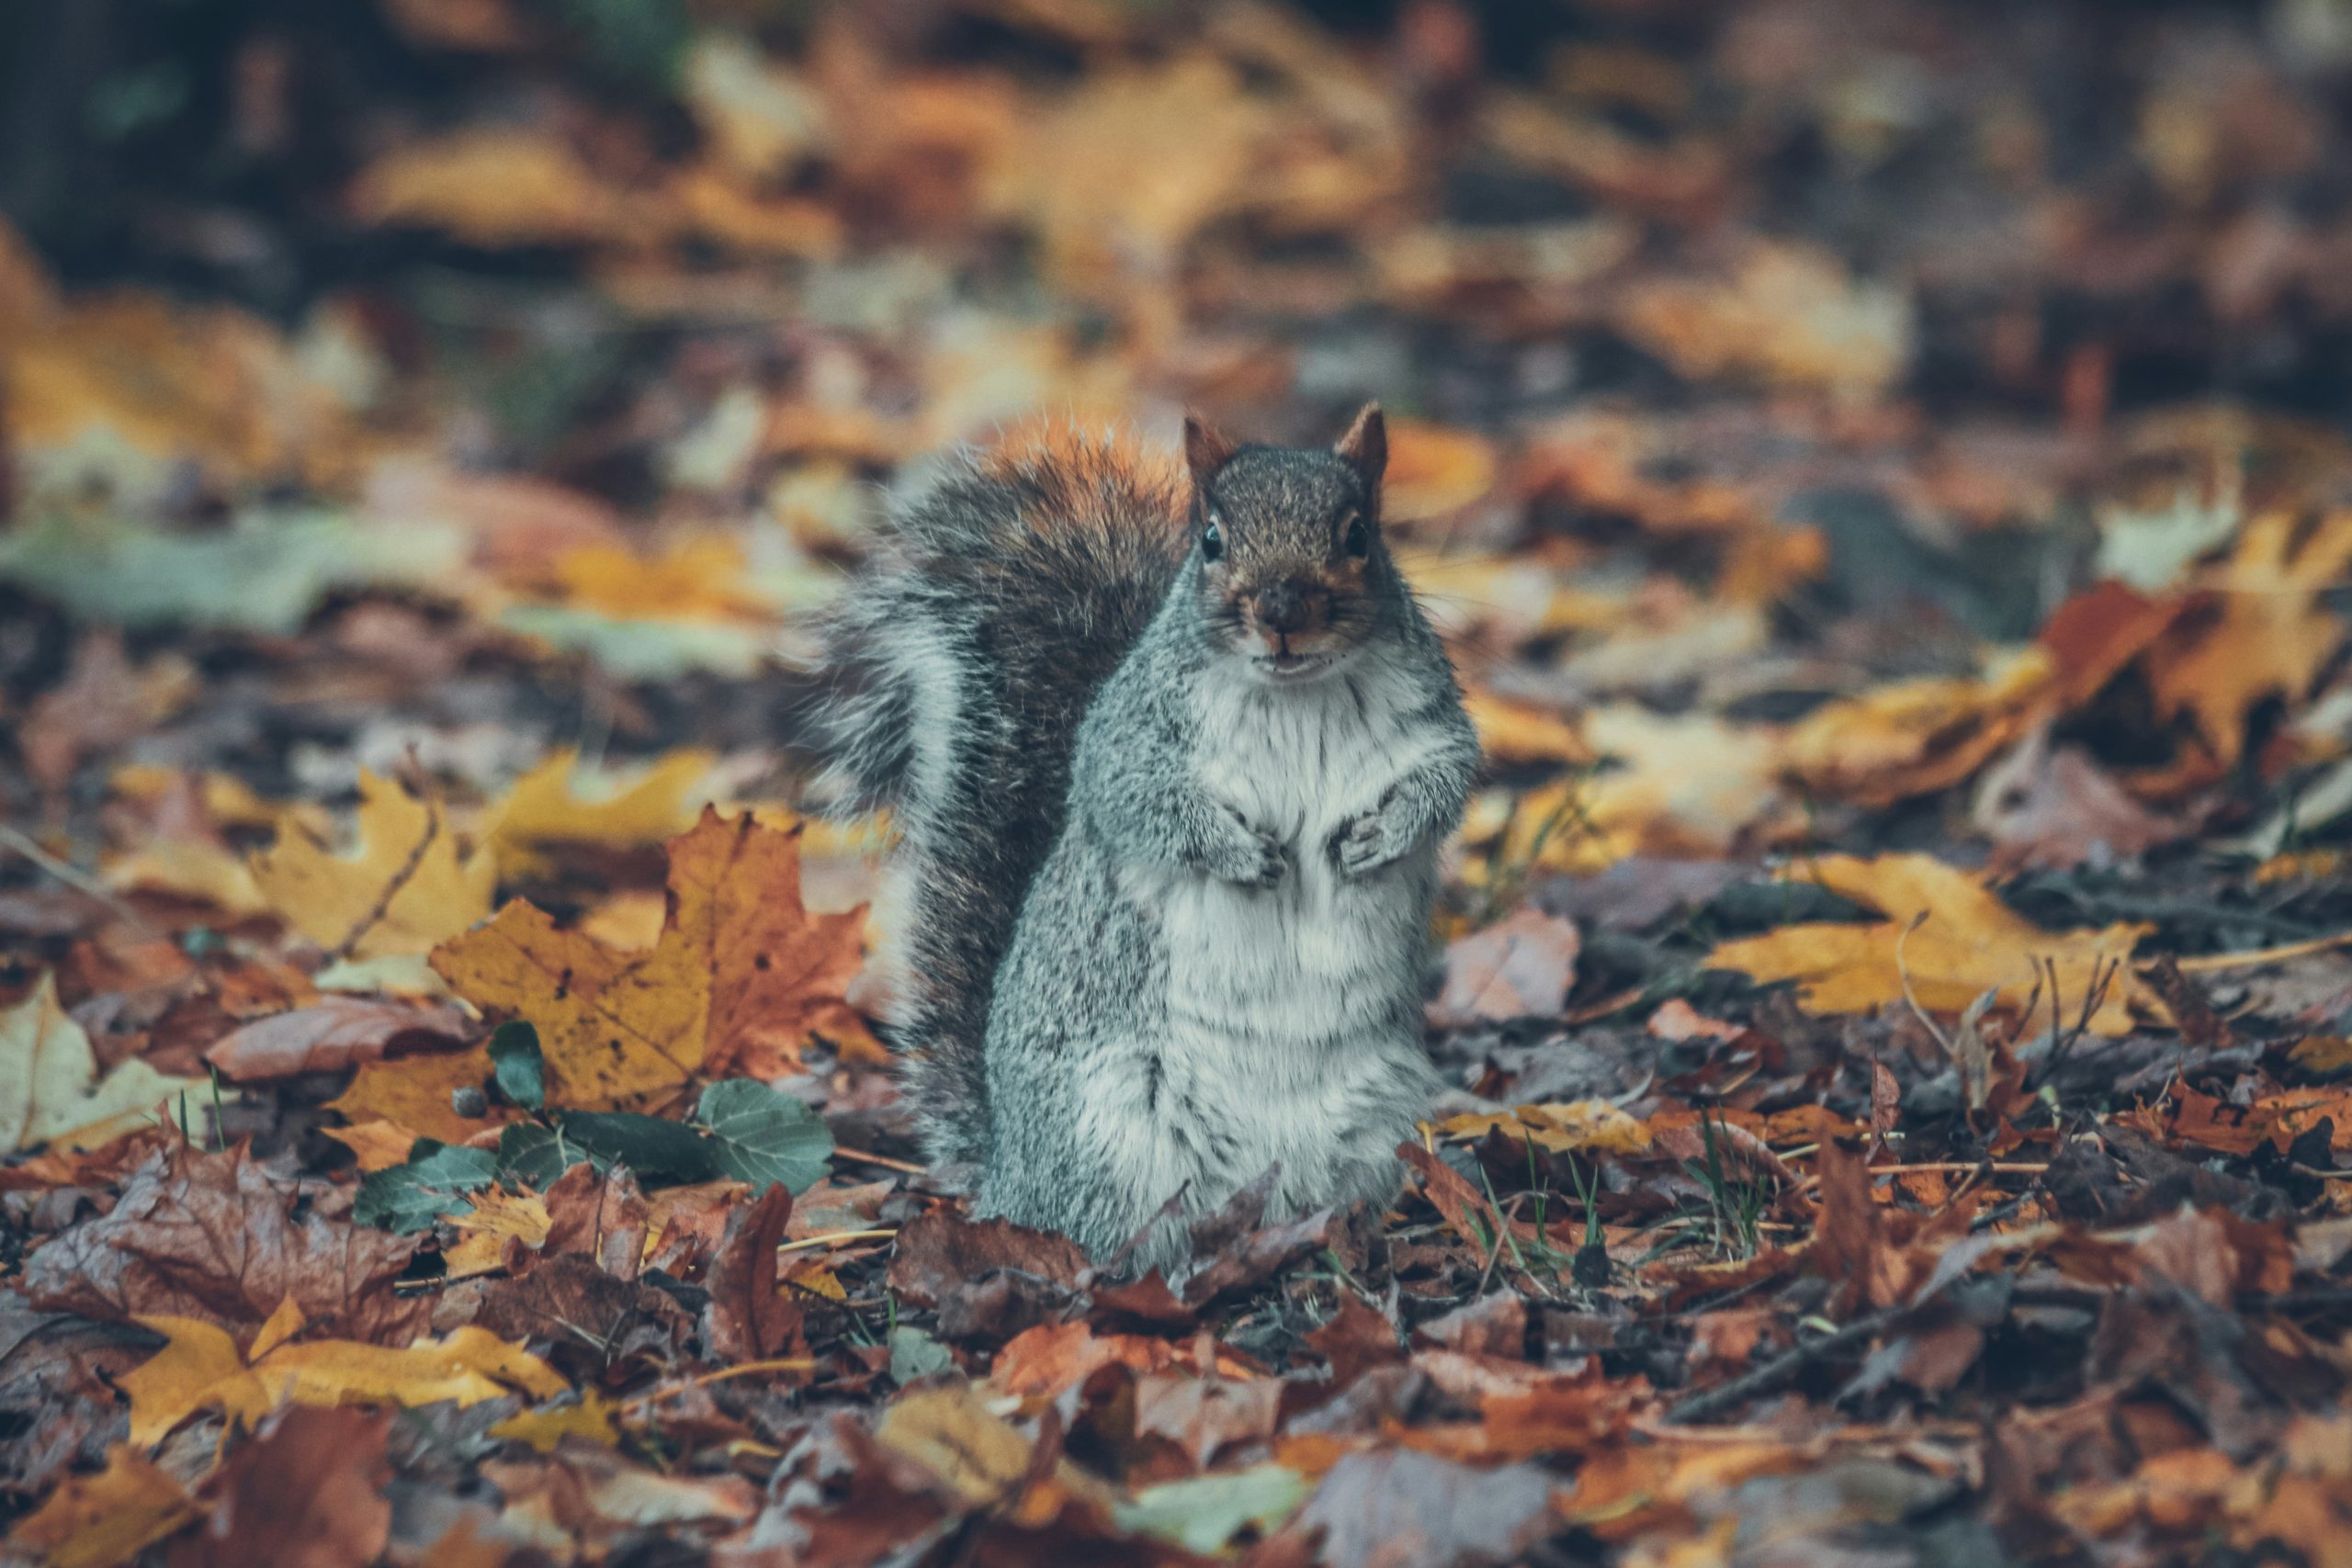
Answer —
1293 1012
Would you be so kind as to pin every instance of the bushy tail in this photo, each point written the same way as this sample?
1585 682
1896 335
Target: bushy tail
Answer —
956 670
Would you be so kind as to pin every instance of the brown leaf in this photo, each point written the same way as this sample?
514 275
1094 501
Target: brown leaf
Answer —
1390 1506
601 1215
225 1238
1206 1416
748 1319
567 1299
1359 1337
740 979
339 1032
1521 967
942 1252
307 1493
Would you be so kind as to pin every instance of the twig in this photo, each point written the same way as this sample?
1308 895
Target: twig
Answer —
80 881
883 1160
1902 972
806 1242
2213 962
1779 1370
400 879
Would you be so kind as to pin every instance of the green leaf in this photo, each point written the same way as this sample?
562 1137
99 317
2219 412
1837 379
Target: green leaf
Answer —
659 1151
764 1137
537 1155
522 1072
914 1354
1202 1514
433 1181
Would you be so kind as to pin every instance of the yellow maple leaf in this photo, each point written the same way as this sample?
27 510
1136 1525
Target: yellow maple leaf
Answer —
496 1216
2271 636
1689 784
1948 934
403 886
1575 1125
199 1368
591 1416
548 806
99 1521
411 1093
740 977
49 1088
1911 738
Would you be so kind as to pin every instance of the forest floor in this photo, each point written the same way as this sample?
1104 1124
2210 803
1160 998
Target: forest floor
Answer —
1883 473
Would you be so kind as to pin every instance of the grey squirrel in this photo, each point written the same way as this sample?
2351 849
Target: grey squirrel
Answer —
1171 753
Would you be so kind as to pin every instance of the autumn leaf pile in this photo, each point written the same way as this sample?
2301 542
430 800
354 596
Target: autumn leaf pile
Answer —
1882 472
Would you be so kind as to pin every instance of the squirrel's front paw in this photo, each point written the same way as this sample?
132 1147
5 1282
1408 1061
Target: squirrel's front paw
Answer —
1249 857
1365 843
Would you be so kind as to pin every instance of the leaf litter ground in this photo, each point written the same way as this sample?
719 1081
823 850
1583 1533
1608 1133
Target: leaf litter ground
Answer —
1880 475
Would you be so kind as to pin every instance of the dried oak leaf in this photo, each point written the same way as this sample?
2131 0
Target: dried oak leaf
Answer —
402 887
747 1318
742 977
307 1493
224 1238
1946 933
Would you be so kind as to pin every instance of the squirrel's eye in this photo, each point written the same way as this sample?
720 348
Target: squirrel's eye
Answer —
1359 538
1213 542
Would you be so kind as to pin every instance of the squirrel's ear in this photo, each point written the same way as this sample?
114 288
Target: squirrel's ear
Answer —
1365 445
1206 451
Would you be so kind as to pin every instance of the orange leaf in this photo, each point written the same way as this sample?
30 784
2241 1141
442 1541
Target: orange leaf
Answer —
742 975
1953 937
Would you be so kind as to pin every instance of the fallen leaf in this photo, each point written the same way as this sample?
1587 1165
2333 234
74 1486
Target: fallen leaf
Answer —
1913 737
491 187
200 1369
50 1089
979 1457
1787 313
307 1492
1396 1506
941 1253
546 805
1576 1127
590 1417
1952 935
1520 966
1433 470
742 977
748 1318
222 1238
338 1032
2271 633
401 888
107 1519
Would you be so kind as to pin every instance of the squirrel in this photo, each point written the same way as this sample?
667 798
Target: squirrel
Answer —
1170 752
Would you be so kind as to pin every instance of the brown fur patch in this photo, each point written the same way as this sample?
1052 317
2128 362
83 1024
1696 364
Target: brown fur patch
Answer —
1075 481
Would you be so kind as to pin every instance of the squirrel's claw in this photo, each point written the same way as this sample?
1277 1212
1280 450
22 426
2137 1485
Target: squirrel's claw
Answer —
1253 858
1367 842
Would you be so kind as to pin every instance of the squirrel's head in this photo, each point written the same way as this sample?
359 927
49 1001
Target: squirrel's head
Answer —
1289 545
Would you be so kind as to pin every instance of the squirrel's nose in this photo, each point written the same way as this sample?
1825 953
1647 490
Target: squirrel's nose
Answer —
1284 607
